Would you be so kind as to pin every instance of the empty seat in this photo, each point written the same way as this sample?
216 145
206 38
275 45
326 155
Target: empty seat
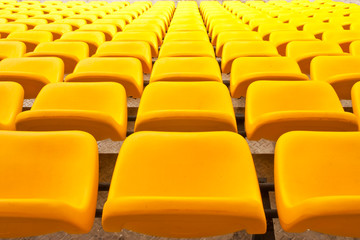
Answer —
342 72
97 108
187 49
355 48
32 73
275 107
184 69
318 28
186 36
41 190
31 38
266 28
49 17
126 71
11 49
11 98
316 182
119 23
225 37
148 37
246 70
304 51
193 195
75 23
140 50
89 18
281 39
6 28
220 28
69 52
343 38
186 106
31 23
93 39
57 29
108 29
146 28
235 49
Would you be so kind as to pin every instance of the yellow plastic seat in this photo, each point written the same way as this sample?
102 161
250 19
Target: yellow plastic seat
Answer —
186 107
126 71
126 18
186 27
9 49
273 108
235 49
6 28
225 37
49 17
318 28
342 72
186 197
186 36
69 52
300 21
316 182
281 39
220 28
75 23
42 191
31 23
246 70
119 23
57 29
97 108
32 73
146 28
186 69
304 51
152 21
355 48
108 29
140 50
92 39
343 38
187 49
89 18
265 29
148 37
14 16
11 98
31 38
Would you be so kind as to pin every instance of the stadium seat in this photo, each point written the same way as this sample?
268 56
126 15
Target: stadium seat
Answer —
97 108
343 38
11 98
42 191
14 16
108 29
186 69
128 19
30 23
146 28
318 28
186 36
281 39
235 49
75 23
266 28
187 49
126 71
49 17
69 52
119 23
6 28
186 107
186 27
316 182
32 73
304 51
355 97
30 38
57 29
140 50
275 107
355 48
92 39
89 18
10 49
342 72
229 36
148 37
220 28
246 70
193 195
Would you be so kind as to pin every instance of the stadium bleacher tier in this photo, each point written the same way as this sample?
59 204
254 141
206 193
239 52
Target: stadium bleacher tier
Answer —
168 82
